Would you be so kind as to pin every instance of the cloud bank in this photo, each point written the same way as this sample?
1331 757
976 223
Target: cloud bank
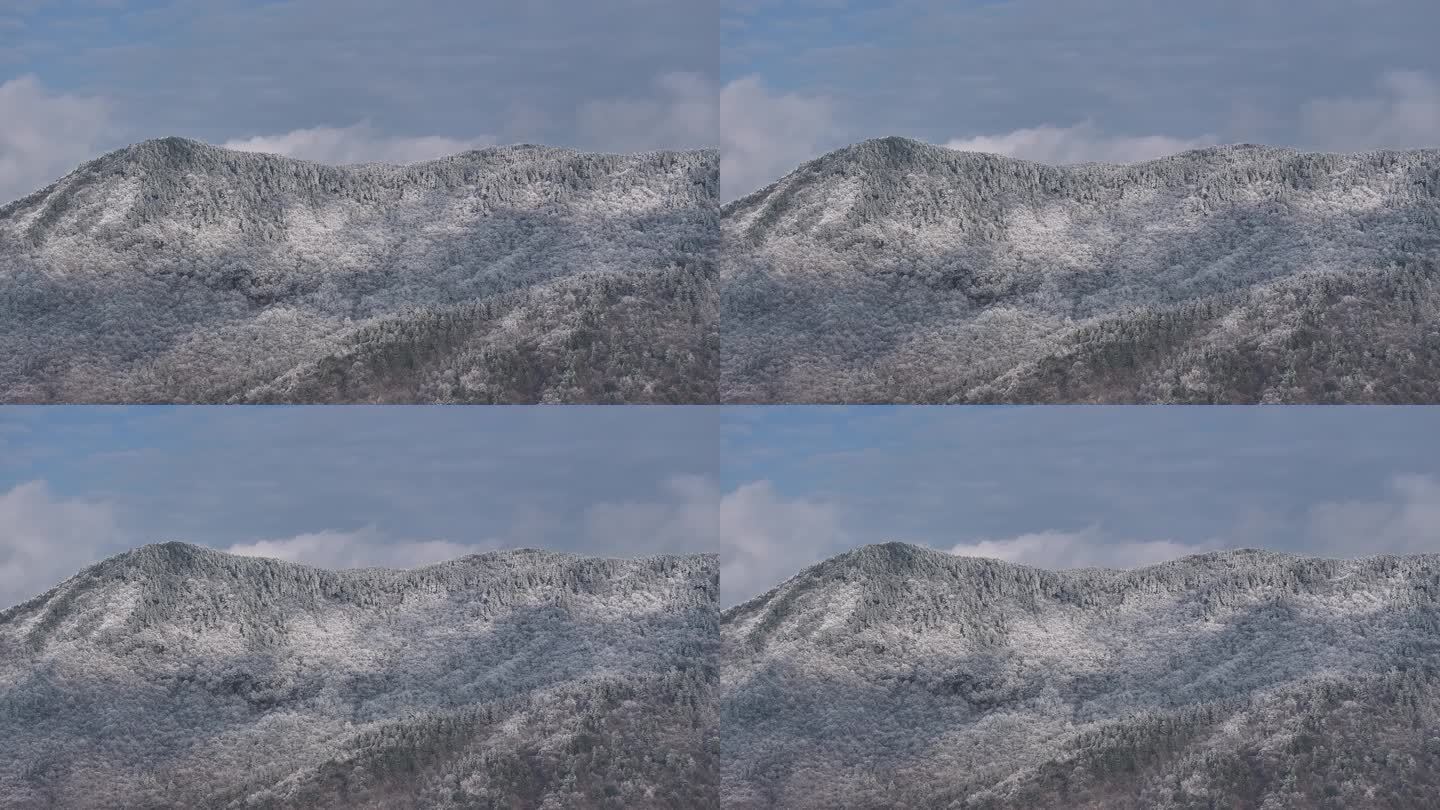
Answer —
363 548
766 134
45 538
1082 143
1403 113
681 112
358 143
1087 548
763 134
767 537
43 135
1405 520
762 535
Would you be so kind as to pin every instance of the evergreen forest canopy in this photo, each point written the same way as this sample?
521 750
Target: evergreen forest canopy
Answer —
891 676
173 676
890 271
895 676
174 271
896 271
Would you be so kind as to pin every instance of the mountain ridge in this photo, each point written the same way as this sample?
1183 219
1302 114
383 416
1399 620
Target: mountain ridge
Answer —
896 271
176 271
874 556
153 153
896 676
160 557
897 150
516 676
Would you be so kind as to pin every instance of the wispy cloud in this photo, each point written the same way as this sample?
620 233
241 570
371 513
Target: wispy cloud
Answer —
764 134
362 548
45 537
681 111
225 70
1085 548
358 143
1082 143
1405 521
44 134
766 537
1403 112
680 519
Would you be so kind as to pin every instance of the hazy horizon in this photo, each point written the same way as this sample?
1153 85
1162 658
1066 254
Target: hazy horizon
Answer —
339 82
349 486
1118 81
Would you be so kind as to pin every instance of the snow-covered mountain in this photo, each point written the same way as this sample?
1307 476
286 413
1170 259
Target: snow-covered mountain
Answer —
895 676
176 271
896 271
174 676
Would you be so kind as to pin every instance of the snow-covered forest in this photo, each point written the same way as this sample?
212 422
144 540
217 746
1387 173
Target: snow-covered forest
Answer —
891 676
896 271
889 271
895 676
173 676
175 271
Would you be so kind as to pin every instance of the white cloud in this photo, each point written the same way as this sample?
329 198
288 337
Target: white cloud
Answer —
359 143
45 538
682 113
684 521
764 135
365 548
766 538
1404 113
1083 549
1081 143
1407 521
43 136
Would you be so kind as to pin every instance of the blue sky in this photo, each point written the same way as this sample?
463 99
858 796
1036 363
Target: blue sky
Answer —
350 486
1073 486
769 489
1061 82
350 80
771 82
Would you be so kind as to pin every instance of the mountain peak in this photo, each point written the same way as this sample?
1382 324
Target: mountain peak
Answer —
1134 680
170 143
889 152
895 145
171 556
891 553
170 151
309 681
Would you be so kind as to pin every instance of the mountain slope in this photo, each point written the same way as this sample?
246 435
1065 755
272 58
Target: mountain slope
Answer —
895 271
176 271
175 676
895 676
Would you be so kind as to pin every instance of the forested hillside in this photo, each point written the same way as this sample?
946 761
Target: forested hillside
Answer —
173 676
175 271
896 271
894 676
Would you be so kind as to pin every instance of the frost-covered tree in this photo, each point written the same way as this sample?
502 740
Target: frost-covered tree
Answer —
895 271
895 676
180 272
178 677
